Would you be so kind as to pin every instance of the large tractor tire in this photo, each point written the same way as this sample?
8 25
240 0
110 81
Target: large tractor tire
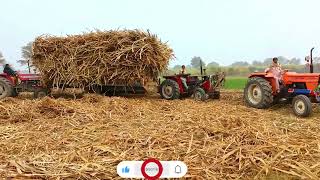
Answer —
6 88
199 95
258 93
302 106
169 89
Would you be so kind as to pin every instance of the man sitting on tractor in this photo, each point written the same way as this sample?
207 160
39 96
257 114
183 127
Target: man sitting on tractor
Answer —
8 70
183 71
275 69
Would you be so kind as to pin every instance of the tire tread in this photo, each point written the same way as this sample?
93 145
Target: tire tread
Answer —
267 98
175 88
8 85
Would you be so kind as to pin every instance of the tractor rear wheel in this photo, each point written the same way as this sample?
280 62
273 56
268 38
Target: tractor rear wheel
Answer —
199 95
258 93
302 106
5 88
169 89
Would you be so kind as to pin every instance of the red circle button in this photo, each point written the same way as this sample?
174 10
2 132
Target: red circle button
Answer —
144 170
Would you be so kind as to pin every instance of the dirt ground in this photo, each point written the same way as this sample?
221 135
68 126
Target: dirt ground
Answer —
219 139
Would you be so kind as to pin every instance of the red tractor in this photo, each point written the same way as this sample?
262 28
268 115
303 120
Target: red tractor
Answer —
10 86
300 89
200 87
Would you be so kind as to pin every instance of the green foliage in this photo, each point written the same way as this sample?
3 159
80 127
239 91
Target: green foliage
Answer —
283 61
257 63
240 64
26 53
195 62
213 64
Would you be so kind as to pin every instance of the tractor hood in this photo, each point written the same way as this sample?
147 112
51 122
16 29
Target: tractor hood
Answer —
301 77
310 79
294 74
29 76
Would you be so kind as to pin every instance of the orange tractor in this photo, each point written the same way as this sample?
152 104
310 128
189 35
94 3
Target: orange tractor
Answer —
300 89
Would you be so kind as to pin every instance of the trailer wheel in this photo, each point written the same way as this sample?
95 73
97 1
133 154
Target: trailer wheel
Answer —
5 88
302 106
40 93
258 93
169 89
199 95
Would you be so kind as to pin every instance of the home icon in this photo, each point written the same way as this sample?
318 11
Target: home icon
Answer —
177 169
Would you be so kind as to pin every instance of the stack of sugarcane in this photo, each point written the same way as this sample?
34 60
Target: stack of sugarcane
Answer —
115 57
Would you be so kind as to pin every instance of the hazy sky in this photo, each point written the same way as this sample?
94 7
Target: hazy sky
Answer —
223 31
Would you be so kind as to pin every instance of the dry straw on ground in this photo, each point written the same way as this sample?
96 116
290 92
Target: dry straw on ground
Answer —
102 57
88 137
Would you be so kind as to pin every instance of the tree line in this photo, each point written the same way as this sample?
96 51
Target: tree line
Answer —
196 61
243 68
238 68
26 54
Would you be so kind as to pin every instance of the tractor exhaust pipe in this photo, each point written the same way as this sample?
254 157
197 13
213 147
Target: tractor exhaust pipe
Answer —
201 70
311 60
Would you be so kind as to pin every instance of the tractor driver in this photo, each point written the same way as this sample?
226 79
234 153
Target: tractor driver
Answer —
275 69
183 71
9 70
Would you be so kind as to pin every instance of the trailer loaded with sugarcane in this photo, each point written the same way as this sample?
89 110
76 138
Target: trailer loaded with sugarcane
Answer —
107 62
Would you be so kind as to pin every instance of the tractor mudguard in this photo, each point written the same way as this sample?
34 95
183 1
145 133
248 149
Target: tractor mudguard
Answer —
261 74
268 77
6 76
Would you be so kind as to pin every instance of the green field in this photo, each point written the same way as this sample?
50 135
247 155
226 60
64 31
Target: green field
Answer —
235 82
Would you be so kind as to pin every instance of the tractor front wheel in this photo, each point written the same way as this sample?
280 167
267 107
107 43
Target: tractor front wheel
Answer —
169 89
199 95
302 106
258 93
6 88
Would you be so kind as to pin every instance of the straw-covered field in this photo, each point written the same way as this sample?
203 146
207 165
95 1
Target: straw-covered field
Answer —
87 137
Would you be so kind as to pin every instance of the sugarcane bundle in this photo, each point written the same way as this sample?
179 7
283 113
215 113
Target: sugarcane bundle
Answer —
115 57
